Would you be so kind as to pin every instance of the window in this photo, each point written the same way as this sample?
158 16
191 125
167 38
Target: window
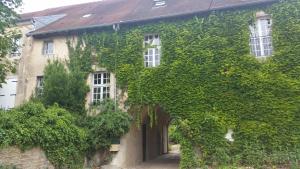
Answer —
260 37
159 3
152 50
87 15
8 93
16 48
101 86
48 48
39 85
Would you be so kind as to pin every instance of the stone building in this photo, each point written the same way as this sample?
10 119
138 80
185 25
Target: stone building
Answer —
45 34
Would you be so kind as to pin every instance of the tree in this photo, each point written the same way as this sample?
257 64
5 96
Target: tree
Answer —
66 88
8 18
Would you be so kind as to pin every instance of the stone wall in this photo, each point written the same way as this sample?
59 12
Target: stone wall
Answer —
30 159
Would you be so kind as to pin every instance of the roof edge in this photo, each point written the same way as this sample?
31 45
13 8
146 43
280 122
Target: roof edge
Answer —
148 19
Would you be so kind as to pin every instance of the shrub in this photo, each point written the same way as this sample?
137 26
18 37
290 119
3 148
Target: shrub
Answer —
53 129
109 125
67 89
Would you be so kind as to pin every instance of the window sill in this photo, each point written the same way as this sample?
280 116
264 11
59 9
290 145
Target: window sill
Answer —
153 67
262 58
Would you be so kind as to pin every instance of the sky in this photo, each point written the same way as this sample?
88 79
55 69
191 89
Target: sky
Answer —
37 5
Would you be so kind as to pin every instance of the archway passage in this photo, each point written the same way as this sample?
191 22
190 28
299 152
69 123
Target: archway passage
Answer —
146 145
158 153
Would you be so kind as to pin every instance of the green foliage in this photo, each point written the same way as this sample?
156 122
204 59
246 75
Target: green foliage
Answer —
58 133
209 82
206 131
174 134
67 86
68 89
8 18
188 155
7 167
107 126
52 129
80 58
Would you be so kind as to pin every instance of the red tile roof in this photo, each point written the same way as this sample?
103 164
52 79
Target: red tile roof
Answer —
109 12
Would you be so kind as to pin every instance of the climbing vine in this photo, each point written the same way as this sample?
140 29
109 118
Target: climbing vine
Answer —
208 82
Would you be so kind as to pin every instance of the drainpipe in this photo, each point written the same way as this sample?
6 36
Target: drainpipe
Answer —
116 28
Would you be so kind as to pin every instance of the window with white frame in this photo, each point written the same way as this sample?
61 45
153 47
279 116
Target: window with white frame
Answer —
39 85
261 37
101 86
48 47
152 51
159 3
16 51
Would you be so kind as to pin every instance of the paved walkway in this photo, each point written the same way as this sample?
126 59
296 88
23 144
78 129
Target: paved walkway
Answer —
167 161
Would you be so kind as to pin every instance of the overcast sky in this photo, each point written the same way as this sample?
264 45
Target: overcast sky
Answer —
37 5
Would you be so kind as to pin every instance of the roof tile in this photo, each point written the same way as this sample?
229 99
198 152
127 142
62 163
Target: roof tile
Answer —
108 12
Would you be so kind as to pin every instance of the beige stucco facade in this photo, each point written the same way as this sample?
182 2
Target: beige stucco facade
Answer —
32 61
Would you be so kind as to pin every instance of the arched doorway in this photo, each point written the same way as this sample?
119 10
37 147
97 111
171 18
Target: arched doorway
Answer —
155 135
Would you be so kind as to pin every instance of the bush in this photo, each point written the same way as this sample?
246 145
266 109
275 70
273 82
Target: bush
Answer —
53 129
107 126
67 89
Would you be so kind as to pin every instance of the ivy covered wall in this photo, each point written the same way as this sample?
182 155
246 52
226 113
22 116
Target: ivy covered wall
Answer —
208 82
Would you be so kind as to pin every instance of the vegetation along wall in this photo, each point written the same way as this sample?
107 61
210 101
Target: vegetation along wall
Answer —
209 82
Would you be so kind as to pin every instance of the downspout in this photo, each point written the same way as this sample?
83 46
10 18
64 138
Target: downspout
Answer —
116 28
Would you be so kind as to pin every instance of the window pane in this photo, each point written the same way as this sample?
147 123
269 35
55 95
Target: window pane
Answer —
50 47
108 78
146 64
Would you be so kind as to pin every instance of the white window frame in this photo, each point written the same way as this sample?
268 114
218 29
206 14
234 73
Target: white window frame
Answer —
46 49
100 86
159 3
261 37
152 53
